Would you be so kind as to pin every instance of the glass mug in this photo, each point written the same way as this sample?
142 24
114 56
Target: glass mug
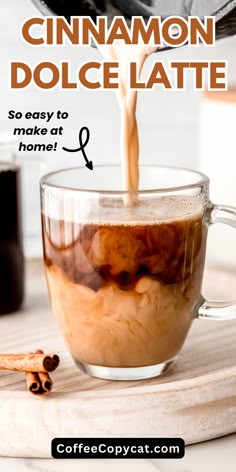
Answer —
125 279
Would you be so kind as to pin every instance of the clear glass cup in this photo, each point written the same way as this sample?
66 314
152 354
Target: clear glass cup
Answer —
124 270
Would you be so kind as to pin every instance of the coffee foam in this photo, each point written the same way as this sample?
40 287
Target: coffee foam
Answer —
146 212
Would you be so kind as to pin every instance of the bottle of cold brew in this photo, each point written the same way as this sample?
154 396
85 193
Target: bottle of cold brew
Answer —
11 250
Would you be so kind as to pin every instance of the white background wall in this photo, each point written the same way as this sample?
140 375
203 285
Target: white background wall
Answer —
168 122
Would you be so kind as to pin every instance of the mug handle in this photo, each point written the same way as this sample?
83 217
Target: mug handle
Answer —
219 311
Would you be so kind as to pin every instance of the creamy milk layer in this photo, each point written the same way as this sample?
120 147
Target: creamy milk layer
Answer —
115 328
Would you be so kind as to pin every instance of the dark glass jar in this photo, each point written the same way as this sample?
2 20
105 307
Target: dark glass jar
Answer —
11 249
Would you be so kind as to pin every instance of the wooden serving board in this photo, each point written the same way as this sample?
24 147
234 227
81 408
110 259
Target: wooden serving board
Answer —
196 401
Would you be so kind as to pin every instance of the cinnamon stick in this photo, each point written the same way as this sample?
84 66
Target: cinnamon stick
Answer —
32 382
36 362
38 383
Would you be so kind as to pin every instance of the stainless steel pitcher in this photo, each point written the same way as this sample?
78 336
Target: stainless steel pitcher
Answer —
223 10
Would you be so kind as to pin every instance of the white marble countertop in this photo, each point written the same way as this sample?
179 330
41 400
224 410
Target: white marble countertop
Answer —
218 456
